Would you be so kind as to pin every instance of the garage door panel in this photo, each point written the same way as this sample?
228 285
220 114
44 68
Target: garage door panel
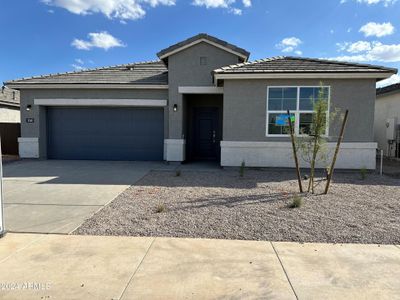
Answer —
106 133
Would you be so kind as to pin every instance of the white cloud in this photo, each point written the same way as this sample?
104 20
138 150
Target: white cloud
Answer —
386 3
342 46
389 81
214 3
291 41
79 64
78 67
112 9
288 49
376 29
357 47
124 10
290 44
236 11
371 2
246 3
382 52
223 4
102 40
375 51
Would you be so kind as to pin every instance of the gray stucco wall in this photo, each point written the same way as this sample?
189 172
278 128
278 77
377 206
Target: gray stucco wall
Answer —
38 128
184 69
245 100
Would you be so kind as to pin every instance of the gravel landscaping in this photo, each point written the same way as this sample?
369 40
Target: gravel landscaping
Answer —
220 204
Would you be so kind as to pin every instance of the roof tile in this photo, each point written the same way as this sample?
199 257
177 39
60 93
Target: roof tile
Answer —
145 73
207 37
289 64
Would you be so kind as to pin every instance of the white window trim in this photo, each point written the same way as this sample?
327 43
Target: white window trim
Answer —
297 112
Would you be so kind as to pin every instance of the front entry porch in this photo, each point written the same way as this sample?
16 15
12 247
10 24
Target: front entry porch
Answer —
203 127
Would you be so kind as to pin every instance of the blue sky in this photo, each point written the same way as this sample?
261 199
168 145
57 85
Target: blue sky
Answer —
51 36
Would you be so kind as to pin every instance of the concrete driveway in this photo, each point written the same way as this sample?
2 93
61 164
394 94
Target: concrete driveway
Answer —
53 196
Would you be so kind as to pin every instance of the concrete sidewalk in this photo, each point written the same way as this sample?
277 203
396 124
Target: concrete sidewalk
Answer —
35 266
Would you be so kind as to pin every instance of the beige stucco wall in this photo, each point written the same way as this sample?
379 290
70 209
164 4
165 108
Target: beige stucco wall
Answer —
9 115
386 106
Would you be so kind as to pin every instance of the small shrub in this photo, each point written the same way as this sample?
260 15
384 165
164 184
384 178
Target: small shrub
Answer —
178 172
297 201
241 170
363 173
160 208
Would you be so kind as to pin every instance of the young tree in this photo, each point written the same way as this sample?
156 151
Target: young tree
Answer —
312 141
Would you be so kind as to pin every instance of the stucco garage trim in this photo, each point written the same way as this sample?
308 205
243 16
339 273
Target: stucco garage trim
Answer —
279 154
28 147
174 150
102 102
200 90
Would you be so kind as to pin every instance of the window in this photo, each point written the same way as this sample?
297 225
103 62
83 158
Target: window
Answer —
203 60
300 101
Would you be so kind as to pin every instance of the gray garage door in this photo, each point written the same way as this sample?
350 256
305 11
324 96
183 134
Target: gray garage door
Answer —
105 133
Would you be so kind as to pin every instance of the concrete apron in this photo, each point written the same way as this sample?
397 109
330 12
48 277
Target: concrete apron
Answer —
57 196
88 267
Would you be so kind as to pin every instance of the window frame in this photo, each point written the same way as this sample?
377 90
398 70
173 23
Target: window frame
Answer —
296 112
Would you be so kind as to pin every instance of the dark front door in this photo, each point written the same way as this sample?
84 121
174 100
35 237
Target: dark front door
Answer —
206 133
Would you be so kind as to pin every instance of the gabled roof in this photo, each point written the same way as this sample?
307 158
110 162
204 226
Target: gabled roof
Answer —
9 97
144 73
203 37
388 89
289 64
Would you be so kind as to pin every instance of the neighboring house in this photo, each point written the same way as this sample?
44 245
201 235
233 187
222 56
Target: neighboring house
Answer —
202 100
9 106
9 120
387 120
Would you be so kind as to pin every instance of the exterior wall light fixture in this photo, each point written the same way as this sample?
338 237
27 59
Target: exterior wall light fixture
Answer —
28 107
175 107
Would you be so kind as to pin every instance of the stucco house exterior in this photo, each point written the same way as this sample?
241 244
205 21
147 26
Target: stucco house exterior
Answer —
387 120
9 120
202 100
9 106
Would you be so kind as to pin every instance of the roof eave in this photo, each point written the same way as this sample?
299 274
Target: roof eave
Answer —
388 90
163 55
21 86
9 104
305 75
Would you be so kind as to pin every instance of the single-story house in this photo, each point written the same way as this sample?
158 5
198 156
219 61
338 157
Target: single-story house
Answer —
202 100
387 120
9 120
9 106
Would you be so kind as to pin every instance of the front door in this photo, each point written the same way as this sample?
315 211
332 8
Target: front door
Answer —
206 135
